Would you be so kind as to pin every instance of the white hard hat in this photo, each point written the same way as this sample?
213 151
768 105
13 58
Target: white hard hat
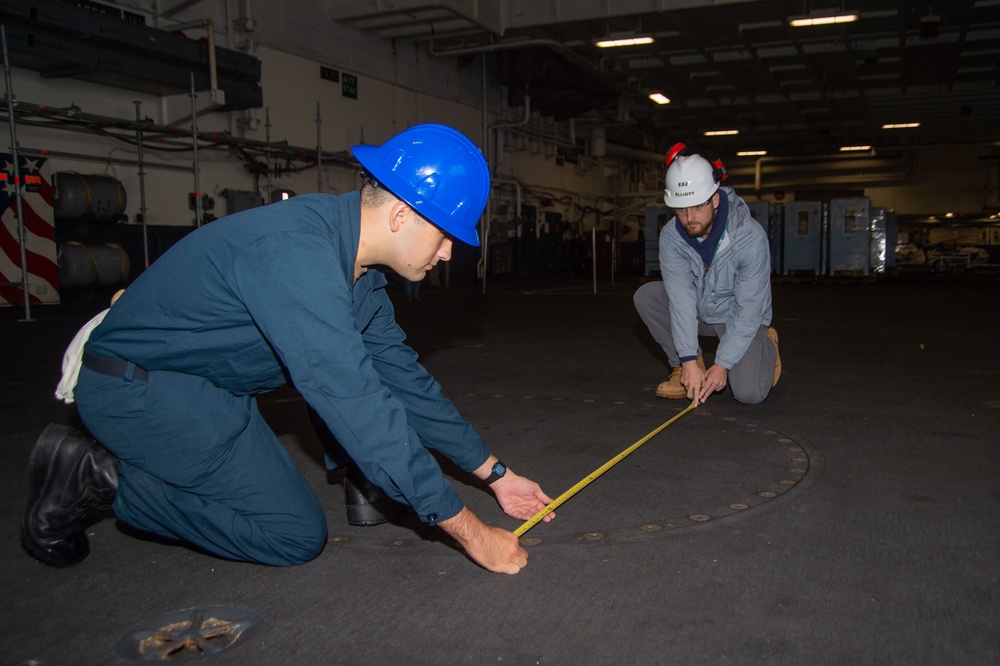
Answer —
691 180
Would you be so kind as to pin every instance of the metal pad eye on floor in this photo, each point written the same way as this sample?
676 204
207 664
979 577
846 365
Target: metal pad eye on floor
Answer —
187 635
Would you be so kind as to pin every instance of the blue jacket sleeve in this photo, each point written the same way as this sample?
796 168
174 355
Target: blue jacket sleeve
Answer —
432 416
300 298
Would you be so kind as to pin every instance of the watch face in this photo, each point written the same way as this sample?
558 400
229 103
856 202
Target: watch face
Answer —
499 469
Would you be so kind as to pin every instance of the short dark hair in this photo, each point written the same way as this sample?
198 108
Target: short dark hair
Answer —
373 193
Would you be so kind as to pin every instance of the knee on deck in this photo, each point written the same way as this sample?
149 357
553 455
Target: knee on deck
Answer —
289 542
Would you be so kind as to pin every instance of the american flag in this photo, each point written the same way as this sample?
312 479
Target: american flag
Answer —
39 233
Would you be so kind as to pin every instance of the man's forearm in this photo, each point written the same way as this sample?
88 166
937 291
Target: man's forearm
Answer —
463 526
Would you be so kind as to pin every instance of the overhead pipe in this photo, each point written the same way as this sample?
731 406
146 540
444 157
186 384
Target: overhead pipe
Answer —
105 159
634 154
542 136
907 172
900 170
638 155
72 114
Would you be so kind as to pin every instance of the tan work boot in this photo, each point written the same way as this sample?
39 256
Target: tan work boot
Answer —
773 334
672 388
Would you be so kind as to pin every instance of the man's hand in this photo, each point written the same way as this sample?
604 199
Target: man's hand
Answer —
715 379
692 378
491 547
520 497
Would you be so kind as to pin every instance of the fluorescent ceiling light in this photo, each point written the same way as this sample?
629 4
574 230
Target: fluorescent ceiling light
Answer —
851 149
625 41
900 125
830 19
659 98
751 153
721 132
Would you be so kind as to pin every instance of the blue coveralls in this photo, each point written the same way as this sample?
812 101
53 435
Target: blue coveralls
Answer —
241 306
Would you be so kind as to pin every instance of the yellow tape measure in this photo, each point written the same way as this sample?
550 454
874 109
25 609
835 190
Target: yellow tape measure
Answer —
534 520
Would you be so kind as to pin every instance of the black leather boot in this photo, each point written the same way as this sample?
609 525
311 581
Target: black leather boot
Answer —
367 504
70 474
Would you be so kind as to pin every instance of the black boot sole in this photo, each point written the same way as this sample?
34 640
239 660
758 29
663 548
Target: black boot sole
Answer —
367 515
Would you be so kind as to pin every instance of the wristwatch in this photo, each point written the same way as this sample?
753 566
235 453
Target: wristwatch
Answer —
496 473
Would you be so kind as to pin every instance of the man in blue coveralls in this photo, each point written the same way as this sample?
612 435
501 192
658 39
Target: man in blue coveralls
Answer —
287 293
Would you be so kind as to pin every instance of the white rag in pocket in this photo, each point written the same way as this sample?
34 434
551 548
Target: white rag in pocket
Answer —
73 358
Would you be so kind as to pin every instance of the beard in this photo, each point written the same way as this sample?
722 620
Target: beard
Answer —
698 229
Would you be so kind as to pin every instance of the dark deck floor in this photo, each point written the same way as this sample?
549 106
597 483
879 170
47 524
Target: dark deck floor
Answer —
852 518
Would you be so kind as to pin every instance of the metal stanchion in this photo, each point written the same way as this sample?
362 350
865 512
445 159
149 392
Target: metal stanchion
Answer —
194 147
142 184
319 151
267 150
593 255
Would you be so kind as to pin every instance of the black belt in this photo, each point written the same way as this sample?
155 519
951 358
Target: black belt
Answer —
113 367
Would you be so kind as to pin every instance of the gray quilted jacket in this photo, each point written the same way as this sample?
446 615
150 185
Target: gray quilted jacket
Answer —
735 290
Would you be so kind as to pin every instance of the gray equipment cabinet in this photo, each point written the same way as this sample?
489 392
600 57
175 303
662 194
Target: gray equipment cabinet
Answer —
850 236
803 238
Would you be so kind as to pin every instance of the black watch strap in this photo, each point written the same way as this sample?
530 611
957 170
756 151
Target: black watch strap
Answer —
499 469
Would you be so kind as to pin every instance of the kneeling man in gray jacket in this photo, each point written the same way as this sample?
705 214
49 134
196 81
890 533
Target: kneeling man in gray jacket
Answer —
716 268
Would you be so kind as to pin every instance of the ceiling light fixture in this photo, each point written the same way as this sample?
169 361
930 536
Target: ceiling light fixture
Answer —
612 42
900 125
854 149
659 98
824 19
751 153
722 132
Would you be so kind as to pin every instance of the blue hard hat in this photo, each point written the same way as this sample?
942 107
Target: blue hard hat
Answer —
438 171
